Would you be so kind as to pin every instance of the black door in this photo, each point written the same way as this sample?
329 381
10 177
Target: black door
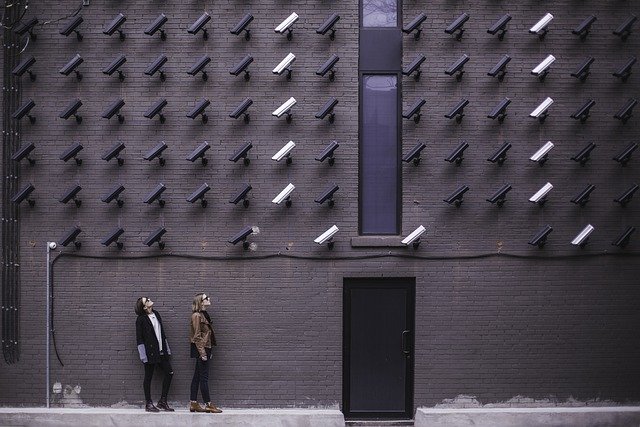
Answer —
378 348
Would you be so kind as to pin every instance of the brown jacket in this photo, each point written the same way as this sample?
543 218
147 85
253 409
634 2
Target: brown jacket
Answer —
201 333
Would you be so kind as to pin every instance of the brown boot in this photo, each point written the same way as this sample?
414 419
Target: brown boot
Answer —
149 407
163 405
211 408
195 407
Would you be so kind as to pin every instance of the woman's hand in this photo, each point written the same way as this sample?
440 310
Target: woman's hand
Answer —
204 358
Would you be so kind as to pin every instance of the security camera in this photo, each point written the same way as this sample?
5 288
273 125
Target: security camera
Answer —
284 152
625 155
582 198
328 67
542 69
414 154
284 195
584 155
456 26
72 152
626 196
327 153
582 72
414 110
71 66
500 111
328 25
71 236
242 26
500 26
71 194
500 196
542 154
540 28
71 27
156 26
414 25
23 153
199 66
624 72
52 245
457 111
23 194
582 113
327 195
626 111
156 152
500 155
457 67
72 110
114 110
155 237
285 65
285 109
241 195
27 27
541 112
24 67
242 67
327 109
199 25
114 153
285 26
156 194
499 70
540 238
198 194
623 239
583 237
115 26
198 153
24 110
414 67
456 198
156 110
242 153
113 237
241 109
199 109
540 196
114 194
327 237
156 66
624 30
414 237
115 66
241 236
457 155
584 27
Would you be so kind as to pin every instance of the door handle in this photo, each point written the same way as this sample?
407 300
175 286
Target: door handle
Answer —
405 342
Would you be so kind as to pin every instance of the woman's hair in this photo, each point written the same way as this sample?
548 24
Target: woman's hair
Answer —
139 308
197 303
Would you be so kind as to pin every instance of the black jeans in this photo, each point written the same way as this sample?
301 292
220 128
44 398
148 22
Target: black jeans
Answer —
165 365
201 378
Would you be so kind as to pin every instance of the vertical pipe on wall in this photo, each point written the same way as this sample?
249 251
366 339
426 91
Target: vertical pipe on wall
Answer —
47 350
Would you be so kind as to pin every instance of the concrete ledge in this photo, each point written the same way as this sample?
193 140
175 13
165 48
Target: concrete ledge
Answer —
100 417
611 416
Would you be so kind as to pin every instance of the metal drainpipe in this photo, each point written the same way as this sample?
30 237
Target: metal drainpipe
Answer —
50 245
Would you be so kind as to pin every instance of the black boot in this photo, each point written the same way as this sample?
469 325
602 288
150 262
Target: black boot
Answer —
163 405
149 407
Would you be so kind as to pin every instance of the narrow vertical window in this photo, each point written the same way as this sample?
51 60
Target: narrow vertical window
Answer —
379 13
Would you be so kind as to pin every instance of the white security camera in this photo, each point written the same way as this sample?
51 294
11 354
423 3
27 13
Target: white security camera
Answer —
327 236
284 195
542 69
284 152
286 25
414 237
284 108
582 238
284 65
52 245
541 195
540 156
540 27
541 110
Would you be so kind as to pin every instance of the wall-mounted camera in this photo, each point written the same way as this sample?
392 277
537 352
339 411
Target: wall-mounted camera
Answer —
114 153
114 110
113 237
72 110
327 237
198 194
72 153
115 25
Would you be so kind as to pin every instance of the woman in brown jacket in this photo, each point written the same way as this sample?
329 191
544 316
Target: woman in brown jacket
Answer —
202 339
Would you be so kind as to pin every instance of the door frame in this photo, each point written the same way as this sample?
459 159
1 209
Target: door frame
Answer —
408 283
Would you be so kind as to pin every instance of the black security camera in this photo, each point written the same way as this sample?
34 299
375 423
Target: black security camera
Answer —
328 67
327 110
198 194
241 109
625 155
72 153
241 153
23 153
72 110
584 27
199 25
414 25
23 194
156 237
582 198
242 26
623 239
500 26
114 153
624 72
156 26
626 196
71 27
242 67
24 67
499 70
115 66
582 72
327 153
414 154
582 113
457 67
156 152
156 110
540 238
156 66
199 109
156 194
198 153
241 236
71 66
114 110
241 195
115 25
500 111
328 25
500 155
113 237
457 111
327 195
114 194
584 155
27 27
626 111
71 237
456 198
457 26
24 110
500 196
72 194
414 110
199 66
457 155
624 30
414 66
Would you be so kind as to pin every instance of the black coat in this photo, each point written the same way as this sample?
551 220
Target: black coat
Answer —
148 347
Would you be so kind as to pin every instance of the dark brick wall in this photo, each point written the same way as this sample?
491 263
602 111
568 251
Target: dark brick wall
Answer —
557 322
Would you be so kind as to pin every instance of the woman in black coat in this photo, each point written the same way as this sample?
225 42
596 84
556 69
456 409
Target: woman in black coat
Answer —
154 351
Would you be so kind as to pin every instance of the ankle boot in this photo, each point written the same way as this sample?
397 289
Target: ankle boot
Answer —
149 407
162 404
211 408
195 407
